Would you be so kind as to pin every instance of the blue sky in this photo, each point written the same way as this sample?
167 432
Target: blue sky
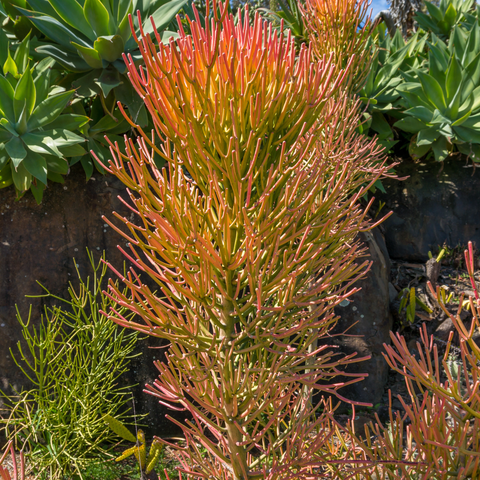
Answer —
378 5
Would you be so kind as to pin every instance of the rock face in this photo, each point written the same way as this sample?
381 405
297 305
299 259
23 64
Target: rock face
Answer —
432 206
40 243
367 321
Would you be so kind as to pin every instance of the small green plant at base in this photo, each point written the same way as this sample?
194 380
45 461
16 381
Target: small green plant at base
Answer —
74 360
146 462
409 302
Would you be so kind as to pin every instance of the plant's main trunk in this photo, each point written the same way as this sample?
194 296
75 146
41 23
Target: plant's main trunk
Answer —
238 455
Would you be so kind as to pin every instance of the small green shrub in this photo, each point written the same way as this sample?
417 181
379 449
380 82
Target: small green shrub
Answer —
75 358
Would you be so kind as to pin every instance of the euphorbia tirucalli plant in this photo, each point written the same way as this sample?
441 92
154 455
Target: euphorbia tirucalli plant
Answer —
251 236
341 28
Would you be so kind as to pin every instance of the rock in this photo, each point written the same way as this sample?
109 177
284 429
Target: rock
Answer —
40 243
367 321
432 270
392 293
443 330
437 204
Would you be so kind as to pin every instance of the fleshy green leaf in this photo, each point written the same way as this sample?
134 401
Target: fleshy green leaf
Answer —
109 79
21 125
71 12
37 188
86 85
98 18
417 152
68 121
432 90
123 24
107 124
16 150
466 134
55 177
73 150
5 174
450 16
69 60
440 149
434 11
410 124
102 153
21 55
5 136
471 77
422 113
25 92
7 125
56 165
55 30
87 164
427 136
454 79
64 138
21 178
41 143
42 83
4 49
10 67
36 166
381 126
47 111
90 55
109 48
462 119
6 99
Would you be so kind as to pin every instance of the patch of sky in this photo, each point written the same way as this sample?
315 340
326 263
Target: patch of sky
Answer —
379 5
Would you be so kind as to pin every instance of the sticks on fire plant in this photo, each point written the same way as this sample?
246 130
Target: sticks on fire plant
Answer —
341 28
250 233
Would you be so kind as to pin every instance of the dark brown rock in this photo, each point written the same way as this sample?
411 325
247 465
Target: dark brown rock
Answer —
367 321
437 204
432 270
443 330
40 243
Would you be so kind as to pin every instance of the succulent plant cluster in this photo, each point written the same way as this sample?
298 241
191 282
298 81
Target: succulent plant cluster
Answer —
35 135
443 102
250 235
427 86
